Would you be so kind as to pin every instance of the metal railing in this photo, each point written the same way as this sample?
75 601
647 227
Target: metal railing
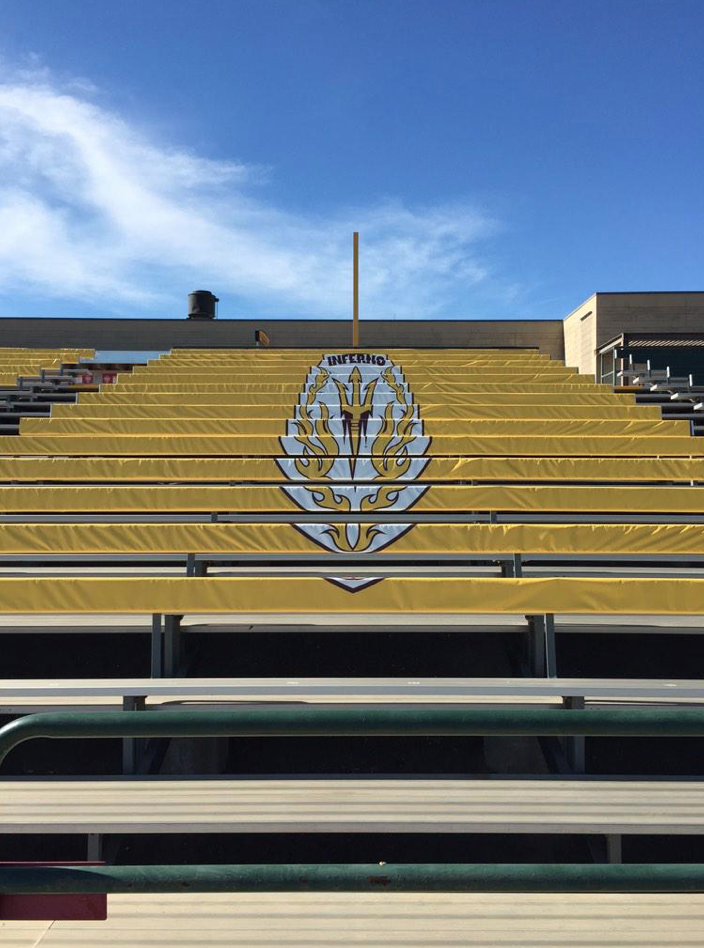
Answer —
340 877
360 721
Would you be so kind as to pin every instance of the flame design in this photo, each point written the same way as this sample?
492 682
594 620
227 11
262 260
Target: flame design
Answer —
318 457
394 460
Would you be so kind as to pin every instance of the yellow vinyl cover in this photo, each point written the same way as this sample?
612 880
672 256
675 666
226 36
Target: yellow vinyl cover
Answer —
295 388
299 355
281 539
266 469
108 397
437 498
306 595
458 428
270 446
419 352
304 366
511 376
98 410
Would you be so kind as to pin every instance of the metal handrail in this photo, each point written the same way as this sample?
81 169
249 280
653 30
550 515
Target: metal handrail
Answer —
359 721
341 877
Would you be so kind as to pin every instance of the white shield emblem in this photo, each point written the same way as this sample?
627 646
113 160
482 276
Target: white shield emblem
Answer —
357 433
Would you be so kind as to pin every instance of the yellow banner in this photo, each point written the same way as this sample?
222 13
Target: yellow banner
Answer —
434 388
30 351
284 373
424 539
306 595
417 353
324 499
269 446
7 366
267 470
282 412
548 397
457 428
305 366
296 379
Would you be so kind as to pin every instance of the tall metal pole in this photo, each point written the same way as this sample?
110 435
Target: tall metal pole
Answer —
355 289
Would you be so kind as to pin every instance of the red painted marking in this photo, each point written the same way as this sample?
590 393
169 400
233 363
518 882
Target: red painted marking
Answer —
53 908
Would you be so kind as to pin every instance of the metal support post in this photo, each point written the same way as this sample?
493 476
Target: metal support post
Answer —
541 646
550 650
173 645
614 848
517 565
536 646
575 745
94 847
157 646
507 568
132 746
190 564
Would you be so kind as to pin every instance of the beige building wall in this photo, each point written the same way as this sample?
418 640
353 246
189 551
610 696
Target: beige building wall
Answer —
580 336
605 315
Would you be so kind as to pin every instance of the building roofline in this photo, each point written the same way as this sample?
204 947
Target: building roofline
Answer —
267 319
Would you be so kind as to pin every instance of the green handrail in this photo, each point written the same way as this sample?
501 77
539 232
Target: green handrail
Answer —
403 877
359 721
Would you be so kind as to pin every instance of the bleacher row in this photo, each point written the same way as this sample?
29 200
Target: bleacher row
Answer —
429 489
16 364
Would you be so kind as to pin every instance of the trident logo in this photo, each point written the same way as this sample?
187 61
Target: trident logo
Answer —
355 412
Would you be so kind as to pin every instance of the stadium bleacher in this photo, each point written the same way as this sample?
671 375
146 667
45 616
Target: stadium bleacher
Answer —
246 491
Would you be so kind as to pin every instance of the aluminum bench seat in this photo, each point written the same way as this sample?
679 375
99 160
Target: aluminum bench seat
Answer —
364 920
20 696
272 805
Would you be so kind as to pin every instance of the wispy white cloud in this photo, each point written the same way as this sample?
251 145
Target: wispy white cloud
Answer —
93 209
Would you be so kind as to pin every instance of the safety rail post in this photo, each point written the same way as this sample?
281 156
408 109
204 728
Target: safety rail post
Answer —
356 877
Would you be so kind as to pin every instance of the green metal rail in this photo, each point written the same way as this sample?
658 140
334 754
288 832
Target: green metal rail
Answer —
360 721
408 877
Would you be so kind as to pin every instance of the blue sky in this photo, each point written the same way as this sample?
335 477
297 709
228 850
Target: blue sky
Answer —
501 158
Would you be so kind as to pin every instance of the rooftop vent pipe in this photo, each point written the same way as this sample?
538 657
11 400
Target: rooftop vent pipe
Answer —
202 304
